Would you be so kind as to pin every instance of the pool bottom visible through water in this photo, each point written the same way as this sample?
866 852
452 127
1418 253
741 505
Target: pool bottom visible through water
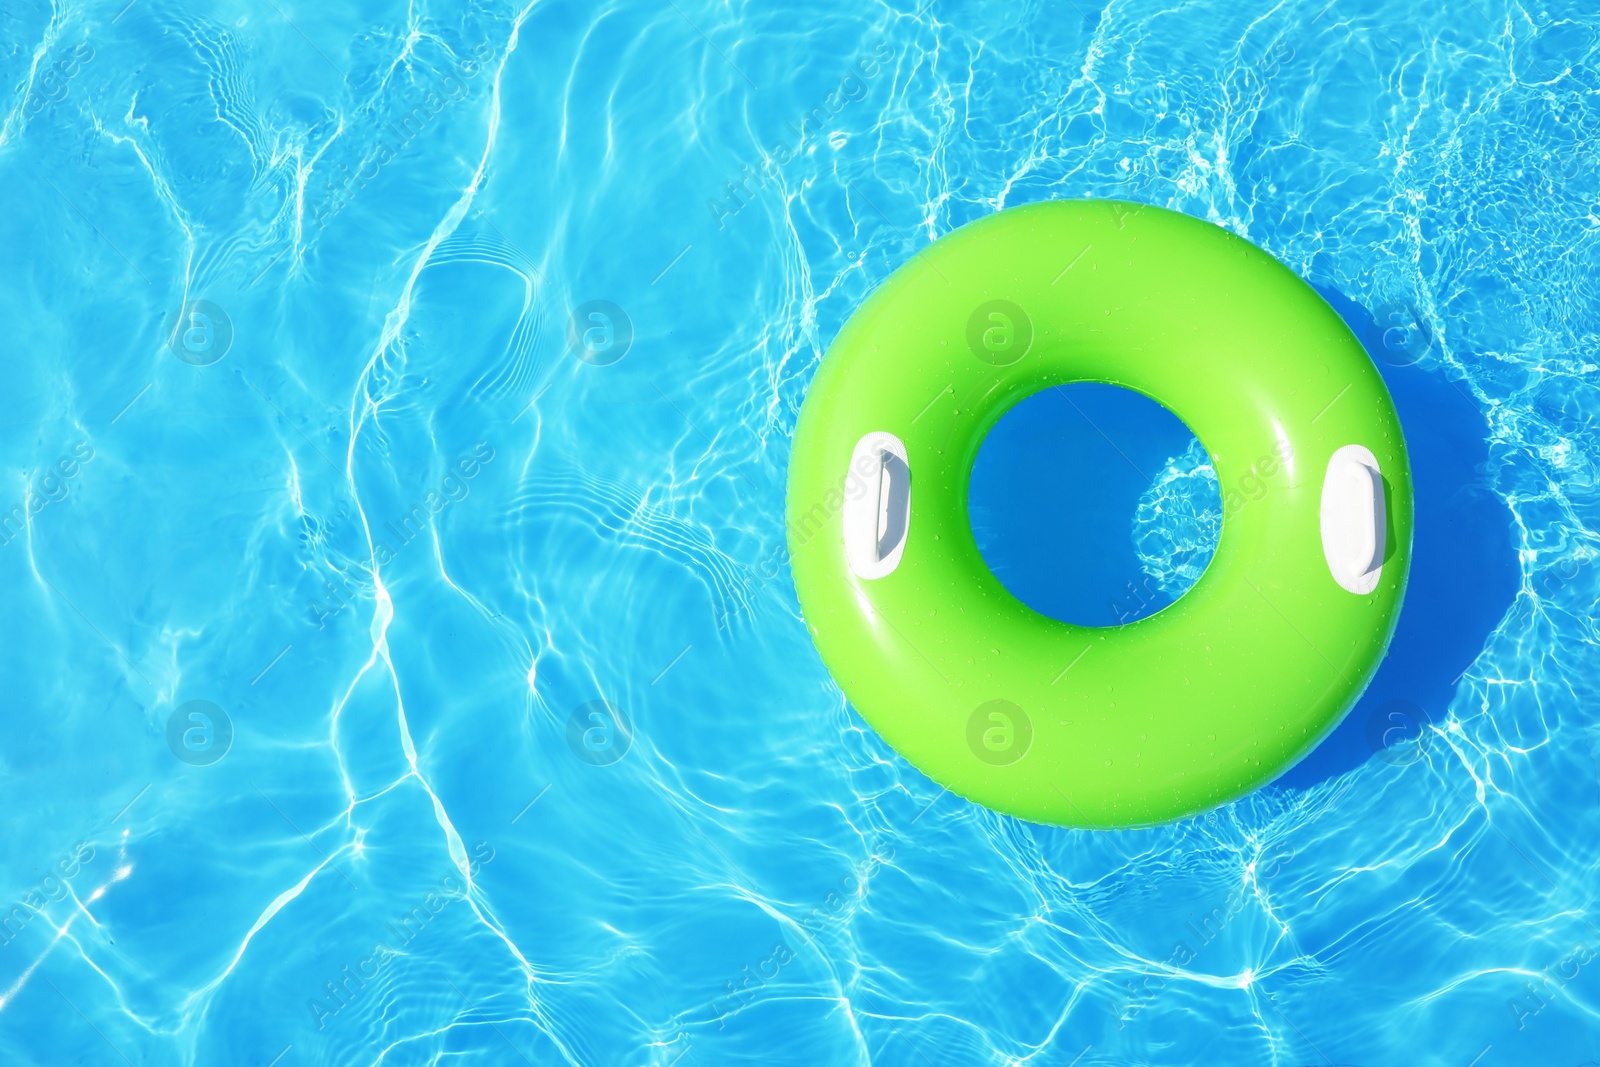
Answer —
1094 504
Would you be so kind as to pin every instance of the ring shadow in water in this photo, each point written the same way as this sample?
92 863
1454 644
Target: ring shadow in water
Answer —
1464 574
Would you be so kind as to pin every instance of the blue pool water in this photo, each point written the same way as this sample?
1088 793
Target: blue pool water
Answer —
387 685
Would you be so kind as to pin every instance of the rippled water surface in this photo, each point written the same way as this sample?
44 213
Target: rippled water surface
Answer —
385 684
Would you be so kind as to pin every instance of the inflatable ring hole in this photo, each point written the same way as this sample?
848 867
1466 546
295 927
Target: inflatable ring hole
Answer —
1094 504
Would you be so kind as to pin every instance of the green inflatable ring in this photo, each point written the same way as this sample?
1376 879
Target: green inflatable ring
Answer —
1127 725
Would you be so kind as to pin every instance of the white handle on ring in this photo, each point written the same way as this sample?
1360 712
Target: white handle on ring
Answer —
877 505
1353 525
